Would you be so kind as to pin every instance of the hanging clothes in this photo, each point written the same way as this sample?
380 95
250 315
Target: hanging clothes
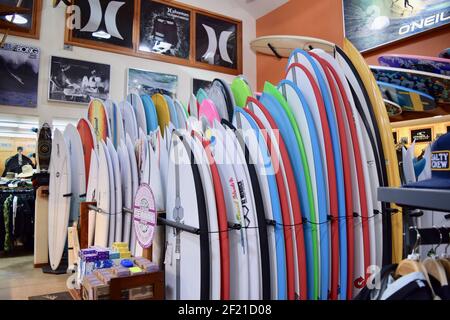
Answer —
7 209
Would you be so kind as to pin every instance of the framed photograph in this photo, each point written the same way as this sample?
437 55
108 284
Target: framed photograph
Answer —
78 81
369 24
421 135
216 41
25 24
164 29
19 74
105 22
200 84
147 82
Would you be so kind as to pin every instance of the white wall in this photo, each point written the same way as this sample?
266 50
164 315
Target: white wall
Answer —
52 40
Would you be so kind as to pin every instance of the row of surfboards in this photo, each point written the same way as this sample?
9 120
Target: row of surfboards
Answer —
281 185
413 83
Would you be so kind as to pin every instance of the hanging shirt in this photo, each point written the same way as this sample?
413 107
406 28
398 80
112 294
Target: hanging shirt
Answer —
412 286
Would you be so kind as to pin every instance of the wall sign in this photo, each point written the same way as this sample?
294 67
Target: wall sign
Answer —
26 24
78 81
147 82
421 135
164 29
370 24
216 41
19 74
144 215
106 21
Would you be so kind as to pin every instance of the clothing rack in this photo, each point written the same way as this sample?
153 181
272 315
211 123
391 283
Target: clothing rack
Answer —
429 236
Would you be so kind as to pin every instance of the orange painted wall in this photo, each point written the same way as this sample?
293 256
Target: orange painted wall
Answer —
324 19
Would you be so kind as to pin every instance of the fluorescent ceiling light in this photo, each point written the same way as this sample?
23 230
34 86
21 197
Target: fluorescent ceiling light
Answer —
18 19
101 34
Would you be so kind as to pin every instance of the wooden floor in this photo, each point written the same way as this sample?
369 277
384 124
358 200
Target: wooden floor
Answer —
20 280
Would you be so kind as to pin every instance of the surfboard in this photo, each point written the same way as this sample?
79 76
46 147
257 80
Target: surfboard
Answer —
222 222
127 190
117 214
259 153
129 226
103 198
92 194
209 111
284 45
241 91
181 114
59 199
437 86
386 137
40 253
78 179
151 116
280 111
136 101
217 95
249 216
115 125
98 118
310 137
229 98
304 61
88 141
187 263
193 106
112 193
214 240
130 126
172 111
201 95
408 99
162 109
420 63
239 272
44 147
392 108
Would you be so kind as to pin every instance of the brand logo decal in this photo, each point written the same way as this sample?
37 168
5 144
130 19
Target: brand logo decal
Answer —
213 44
440 160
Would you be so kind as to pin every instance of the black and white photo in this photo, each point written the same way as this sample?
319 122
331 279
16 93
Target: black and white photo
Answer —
198 84
216 41
78 81
164 29
19 75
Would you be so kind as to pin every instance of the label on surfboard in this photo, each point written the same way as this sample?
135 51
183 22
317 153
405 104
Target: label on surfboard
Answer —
144 215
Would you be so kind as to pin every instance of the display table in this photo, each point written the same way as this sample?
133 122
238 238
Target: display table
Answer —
428 199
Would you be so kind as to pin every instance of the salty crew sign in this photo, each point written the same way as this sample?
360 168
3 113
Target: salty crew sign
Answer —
440 161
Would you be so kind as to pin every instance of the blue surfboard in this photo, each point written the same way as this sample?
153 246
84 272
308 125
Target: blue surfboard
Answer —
321 189
150 113
276 207
172 111
332 122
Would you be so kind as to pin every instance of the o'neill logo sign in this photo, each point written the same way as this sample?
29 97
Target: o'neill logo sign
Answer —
424 23
97 16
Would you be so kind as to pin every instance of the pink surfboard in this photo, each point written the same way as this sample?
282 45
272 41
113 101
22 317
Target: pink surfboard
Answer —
209 111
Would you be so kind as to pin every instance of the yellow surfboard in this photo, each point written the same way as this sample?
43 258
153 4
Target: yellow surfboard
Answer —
387 140
98 118
162 109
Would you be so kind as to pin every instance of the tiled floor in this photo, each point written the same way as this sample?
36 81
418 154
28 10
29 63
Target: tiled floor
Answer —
20 280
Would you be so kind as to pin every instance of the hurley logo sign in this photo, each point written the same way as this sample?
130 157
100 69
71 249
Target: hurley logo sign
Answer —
440 160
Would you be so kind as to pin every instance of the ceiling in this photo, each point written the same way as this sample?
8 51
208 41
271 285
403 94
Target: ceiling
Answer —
259 8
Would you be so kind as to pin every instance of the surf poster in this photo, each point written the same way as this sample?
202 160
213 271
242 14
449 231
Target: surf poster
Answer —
148 82
77 81
19 74
165 29
216 41
198 84
370 24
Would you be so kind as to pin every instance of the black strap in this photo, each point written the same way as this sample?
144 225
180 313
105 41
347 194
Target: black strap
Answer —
67 195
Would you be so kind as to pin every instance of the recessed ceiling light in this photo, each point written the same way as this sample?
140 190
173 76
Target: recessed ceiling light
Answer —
18 19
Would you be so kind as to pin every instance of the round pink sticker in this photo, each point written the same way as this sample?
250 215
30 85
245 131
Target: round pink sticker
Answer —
144 215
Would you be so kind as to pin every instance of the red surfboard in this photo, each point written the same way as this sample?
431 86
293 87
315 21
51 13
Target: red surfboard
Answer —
288 235
359 167
331 183
293 194
88 140
223 222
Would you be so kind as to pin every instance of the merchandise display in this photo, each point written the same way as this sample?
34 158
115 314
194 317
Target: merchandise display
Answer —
301 172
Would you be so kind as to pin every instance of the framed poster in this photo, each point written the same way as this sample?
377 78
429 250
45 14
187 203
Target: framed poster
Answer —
147 82
77 81
421 135
369 24
200 84
19 74
25 24
216 41
105 21
164 29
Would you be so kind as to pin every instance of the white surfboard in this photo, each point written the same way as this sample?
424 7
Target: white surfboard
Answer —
136 101
127 189
135 185
59 199
118 192
103 198
129 120
91 194
78 173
